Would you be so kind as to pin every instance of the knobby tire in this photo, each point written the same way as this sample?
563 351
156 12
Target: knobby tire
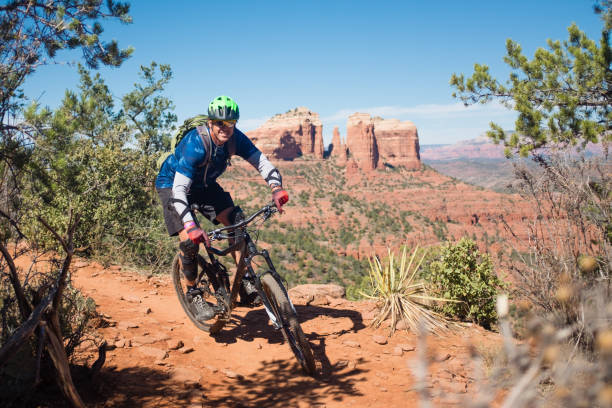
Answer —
292 331
212 326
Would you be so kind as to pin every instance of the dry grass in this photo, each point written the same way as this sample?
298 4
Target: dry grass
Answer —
548 370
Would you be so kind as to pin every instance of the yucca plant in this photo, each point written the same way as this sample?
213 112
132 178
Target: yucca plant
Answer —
401 295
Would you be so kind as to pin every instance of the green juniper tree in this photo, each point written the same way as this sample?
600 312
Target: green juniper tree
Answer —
563 95
32 34
100 160
36 162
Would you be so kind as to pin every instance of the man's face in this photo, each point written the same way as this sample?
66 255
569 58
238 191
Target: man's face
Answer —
222 130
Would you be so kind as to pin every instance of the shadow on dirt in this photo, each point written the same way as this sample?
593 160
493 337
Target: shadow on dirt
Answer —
280 383
138 386
255 324
277 383
130 387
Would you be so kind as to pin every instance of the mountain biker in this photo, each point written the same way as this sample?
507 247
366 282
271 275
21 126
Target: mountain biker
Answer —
186 177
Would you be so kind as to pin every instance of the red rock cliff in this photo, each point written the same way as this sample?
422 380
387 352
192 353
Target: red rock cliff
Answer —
373 142
289 135
398 143
361 142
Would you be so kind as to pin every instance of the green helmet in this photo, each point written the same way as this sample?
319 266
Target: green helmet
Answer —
223 108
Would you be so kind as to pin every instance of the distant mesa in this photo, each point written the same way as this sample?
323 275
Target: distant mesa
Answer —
289 135
371 142
483 148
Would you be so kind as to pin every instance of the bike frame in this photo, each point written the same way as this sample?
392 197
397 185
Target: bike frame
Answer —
248 251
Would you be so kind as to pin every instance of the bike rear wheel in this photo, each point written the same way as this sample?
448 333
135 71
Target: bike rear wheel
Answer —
292 331
211 326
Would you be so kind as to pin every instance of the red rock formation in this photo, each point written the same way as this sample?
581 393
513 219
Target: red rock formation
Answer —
352 173
335 141
338 149
370 142
361 142
289 135
398 143
373 142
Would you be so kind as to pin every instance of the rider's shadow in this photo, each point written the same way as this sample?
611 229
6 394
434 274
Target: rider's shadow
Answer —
256 325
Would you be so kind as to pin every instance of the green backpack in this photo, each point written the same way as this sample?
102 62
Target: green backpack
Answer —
197 122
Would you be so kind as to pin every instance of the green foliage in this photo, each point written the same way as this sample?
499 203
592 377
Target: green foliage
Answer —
562 94
301 258
462 273
149 112
33 33
91 159
360 289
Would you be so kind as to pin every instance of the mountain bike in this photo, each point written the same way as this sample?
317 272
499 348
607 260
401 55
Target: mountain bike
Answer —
214 283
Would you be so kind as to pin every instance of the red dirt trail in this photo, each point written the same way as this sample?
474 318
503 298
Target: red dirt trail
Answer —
248 365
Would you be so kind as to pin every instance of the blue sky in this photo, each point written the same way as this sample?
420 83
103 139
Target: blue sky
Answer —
386 58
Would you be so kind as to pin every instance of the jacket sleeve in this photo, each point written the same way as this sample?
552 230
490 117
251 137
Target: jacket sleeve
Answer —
266 169
180 188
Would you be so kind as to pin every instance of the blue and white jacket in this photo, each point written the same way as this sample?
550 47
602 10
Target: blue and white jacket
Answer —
185 168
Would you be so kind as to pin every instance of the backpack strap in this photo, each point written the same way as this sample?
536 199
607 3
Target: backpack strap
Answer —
205 136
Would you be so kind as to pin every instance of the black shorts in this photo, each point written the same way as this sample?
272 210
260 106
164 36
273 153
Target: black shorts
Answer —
211 201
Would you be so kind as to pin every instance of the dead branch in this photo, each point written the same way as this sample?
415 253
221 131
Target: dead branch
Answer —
39 351
13 223
67 245
26 329
55 348
24 307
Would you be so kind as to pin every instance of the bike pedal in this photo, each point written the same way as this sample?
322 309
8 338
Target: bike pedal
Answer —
194 292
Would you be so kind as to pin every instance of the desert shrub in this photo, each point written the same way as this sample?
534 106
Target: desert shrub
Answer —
21 371
566 244
154 252
401 296
76 314
462 273
76 311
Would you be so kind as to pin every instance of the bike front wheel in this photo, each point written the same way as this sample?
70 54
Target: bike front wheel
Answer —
292 331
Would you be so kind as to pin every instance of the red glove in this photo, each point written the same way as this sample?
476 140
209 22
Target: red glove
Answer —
280 198
195 234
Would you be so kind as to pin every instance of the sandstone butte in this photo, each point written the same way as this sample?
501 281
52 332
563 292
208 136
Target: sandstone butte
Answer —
371 142
289 135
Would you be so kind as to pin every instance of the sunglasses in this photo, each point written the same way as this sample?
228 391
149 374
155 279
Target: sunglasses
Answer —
224 123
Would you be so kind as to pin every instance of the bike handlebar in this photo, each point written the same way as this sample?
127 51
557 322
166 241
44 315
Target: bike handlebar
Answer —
217 234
